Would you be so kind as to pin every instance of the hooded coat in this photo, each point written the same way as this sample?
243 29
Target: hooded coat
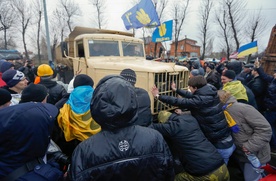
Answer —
196 154
25 134
205 106
122 150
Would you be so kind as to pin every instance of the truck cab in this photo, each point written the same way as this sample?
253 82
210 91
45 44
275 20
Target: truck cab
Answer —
98 52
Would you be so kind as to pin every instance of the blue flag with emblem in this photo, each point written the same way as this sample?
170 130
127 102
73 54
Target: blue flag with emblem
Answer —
141 15
163 32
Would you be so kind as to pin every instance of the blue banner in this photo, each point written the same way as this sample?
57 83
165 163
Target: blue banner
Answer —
141 15
163 32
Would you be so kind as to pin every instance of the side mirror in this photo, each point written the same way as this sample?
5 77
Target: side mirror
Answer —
64 49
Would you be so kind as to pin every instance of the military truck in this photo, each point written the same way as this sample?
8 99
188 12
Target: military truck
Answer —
98 52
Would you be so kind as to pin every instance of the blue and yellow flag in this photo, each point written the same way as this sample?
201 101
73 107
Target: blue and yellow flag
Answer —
74 117
163 32
141 15
248 49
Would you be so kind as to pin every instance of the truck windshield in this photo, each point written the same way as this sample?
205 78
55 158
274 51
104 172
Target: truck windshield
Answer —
103 48
133 49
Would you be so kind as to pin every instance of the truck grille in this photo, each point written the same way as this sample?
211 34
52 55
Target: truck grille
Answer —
163 83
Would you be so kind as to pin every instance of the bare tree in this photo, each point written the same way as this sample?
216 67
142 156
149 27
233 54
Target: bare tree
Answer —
59 24
38 11
100 6
7 19
221 19
209 46
160 6
71 10
23 13
236 16
180 10
204 26
255 26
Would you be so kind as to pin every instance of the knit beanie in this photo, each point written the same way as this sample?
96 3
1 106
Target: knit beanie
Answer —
129 75
229 74
195 72
12 77
1 62
6 66
34 93
44 70
83 79
5 96
163 116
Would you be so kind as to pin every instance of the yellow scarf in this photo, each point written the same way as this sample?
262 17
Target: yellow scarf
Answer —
76 126
231 122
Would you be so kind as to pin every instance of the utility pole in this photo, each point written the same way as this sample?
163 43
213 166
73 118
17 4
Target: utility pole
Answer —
47 35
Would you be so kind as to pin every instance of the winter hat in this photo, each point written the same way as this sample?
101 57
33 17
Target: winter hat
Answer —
34 93
83 79
6 66
44 70
211 66
249 65
1 62
229 74
5 96
195 65
195 72
163 116
12 77
129 75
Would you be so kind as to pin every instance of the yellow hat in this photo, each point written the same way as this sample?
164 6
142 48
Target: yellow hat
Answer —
44 70
163 116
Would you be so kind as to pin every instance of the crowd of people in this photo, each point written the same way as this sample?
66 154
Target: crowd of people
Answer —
79 131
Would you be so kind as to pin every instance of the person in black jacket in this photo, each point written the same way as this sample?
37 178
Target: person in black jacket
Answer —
258 87
122 150
25 135
72 125
144 111
212 76
198 156
204 104
55 90
269 102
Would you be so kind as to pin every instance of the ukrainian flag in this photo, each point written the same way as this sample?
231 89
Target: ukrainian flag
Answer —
74 117
248 49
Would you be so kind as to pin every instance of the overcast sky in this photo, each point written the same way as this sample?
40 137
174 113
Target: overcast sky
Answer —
115 9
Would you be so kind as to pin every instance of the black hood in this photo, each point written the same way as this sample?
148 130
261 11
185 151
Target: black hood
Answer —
114 104
235 66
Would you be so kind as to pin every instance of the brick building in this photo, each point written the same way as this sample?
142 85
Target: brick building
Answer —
186 47
149 47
